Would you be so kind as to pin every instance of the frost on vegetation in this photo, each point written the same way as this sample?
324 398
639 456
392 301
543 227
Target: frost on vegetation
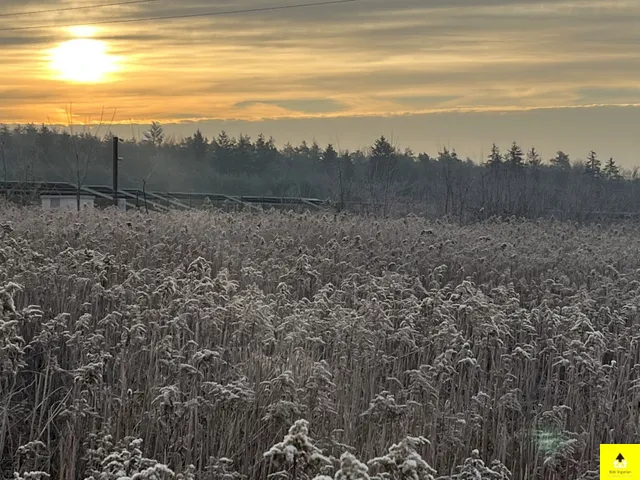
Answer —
403 462
189 474
31 476
128 463
6 297
351 468
207 334
30 459
222 469
236 394
384 407
475 469
296 456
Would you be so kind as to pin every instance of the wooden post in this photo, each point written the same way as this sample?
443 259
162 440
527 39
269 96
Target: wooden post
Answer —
144 195
115 171
4 165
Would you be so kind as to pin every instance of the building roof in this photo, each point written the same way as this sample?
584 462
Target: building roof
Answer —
67 195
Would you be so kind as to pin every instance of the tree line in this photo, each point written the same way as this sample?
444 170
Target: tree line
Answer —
381 179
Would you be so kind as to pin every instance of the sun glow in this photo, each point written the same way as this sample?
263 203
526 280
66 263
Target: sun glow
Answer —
82 60
82 31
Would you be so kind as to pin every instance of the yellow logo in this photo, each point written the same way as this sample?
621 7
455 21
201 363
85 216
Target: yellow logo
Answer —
620 461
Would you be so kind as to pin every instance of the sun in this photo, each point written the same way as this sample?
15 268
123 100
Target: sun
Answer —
82 60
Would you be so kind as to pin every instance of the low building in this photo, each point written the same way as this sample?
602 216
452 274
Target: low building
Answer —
67 201
71 202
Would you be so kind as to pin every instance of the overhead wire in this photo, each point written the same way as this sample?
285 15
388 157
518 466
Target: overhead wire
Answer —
68 9
182 16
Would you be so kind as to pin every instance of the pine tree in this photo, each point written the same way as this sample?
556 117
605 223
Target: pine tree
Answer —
383 160
611 171
382 148
347 166
155 134
243 155
303 150
593 165
447 155
408 153
329 158
266 153
561 160
533 157
515 156
288 154
223 147
315 152
224 141
198 145
494 158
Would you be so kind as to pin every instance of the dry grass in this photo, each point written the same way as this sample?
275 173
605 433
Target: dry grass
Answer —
132 344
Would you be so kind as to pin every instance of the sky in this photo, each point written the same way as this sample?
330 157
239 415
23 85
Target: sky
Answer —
553 74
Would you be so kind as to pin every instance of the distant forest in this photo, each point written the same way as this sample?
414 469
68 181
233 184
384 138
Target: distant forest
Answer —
381 179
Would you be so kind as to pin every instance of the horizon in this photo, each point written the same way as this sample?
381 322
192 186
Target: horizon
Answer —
471 137
426 76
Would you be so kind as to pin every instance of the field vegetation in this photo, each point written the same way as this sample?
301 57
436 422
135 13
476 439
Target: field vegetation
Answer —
216 345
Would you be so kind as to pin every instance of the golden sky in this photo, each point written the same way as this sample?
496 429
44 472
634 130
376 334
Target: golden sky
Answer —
366 58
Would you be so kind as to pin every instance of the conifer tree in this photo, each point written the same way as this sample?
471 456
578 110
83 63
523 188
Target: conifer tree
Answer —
593 165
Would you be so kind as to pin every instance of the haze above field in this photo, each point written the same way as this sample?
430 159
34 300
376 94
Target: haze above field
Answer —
339 73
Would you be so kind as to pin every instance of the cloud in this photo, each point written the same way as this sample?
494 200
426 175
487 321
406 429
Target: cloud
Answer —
611 95
21 39
422 101
362 58
314 105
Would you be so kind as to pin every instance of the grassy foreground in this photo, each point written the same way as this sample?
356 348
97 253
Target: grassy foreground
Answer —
227 346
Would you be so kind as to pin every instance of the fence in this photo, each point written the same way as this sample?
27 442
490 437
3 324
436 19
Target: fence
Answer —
154 200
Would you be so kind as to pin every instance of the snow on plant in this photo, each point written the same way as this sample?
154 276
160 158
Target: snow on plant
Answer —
351 468
37 475
222 469
6 297
31 458
207 334
128 463
296 455
384 408
403 462
475 469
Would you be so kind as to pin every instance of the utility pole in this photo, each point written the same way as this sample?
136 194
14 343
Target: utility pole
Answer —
116 140
4 164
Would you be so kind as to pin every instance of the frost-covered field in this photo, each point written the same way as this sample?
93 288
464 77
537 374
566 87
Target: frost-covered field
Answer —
188 345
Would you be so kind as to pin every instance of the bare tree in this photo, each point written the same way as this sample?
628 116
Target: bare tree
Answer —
84 155
145 179
83 151
25 167
383 175
155 161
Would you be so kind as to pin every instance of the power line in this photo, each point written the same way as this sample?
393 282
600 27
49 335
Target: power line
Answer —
66 9
192 15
